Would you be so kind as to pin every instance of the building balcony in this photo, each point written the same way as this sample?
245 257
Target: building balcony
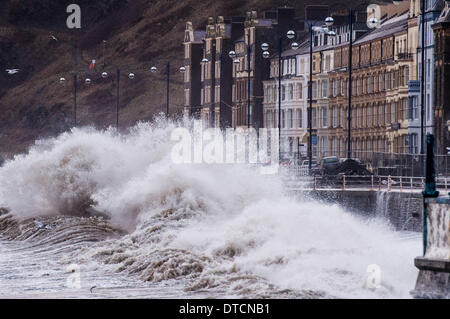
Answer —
405 56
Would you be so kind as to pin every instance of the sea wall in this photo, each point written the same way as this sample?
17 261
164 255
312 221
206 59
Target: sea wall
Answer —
402 209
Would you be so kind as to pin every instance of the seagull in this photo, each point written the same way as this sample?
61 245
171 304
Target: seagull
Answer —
53 37
92 288
12 71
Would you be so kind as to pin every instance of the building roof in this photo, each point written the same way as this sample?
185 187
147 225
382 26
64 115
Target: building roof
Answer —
437 6
445 15
264 22
303 48
388 27
199 35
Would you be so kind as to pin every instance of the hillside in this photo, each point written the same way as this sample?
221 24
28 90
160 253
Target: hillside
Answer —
34 104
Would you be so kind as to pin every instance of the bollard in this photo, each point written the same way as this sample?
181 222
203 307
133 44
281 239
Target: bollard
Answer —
423 185
389 183
411 183
343 182
371 183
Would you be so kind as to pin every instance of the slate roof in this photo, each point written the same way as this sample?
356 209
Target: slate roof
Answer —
445 15
388 27
199 35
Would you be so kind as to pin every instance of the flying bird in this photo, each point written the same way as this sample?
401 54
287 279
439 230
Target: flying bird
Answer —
53 37
12 71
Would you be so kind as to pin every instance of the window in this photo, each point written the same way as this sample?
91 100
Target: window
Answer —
324 117
299 118
357 117
334 146
325 88
290 119
217 94
314 118
291 91
380 114
324 146
283 92
269 94
314 90
357 86
299 91
393 112
334 87
334 116
368 85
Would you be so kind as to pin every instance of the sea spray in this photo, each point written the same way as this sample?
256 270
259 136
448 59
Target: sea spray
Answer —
212 227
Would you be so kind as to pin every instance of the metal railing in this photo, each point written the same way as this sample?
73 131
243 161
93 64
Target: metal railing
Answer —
364 183
384 164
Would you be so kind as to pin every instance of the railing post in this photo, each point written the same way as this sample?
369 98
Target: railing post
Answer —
411 184
389 183
315 182
401 186
379 184
446 188
343 182
371 183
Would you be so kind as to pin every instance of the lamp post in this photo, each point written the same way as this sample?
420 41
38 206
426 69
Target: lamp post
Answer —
313 28
87 81
131 76
182 70
265 48
422 90
372 23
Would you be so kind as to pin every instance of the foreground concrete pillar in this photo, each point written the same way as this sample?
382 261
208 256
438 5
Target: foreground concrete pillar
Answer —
434 267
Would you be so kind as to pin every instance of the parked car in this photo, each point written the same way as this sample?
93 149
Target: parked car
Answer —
342 160
305 163
328 164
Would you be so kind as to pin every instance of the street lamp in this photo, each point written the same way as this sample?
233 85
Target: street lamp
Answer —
313 28
265 48
182 69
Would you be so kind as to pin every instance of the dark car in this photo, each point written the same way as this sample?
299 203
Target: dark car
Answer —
328 164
